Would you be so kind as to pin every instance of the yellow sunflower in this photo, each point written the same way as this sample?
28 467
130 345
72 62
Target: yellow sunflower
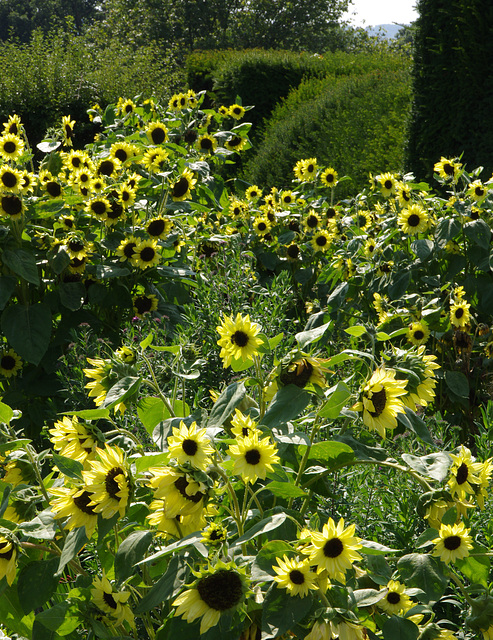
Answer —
126 248
154 159
178 526
453 542
448 169
146 254
243 426
181 188
109 482
68 130
10 363
395 601
157 133
295 576
334 549
111 603
236 111
459 313
238 339
75 504
189 444
387 184
235 143
381 400
10 179
418 333
253 457
8 558
159 227
11 146
123 151
413 219
464 474
206 144
182 492
329 177
321 240
73 439
144 303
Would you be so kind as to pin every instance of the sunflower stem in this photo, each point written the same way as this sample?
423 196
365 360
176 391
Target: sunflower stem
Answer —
462 589
304 460
154 385
258 375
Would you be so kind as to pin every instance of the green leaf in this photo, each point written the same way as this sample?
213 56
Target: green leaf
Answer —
457 383
28 330
68 466
151 412
7 287
61 617
304 338
122 390
131 551
423 248
225 405
411 421
447 229
375 549
265 559
42 526
167 586
479 232
36 584
13 445
424 572
330 452
187 541
12 615
396 628
6 413
361 450
285 490
287 404
336 399
142 463
281 612
399 284
476 567
273 342
22 263
368 597
74 542
240 364
147 341
356 331
435 465
267 524
89 414
72 295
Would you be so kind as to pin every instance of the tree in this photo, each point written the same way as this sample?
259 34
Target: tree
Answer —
452 109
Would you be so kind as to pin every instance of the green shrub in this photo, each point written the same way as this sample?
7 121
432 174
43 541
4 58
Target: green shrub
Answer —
355 124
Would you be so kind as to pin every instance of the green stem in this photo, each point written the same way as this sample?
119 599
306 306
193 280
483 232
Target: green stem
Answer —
154 385
258 374
462 589
304 460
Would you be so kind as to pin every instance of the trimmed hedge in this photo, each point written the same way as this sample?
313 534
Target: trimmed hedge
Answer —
356 124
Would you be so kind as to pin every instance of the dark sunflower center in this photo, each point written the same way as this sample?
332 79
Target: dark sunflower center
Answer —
206 144
448 169
129 249
222 590
7 555
235 141
13 128
385 267
297 577
84 177
181 485
98 207
329 177
362 221
293 251
115 211
7 363
253 456
68 131
240 339
190 447
158 135
330 212
388 184
9 179
82 503
9 147
462 473
261 226
413 220
147 254
479 191
68 222
111 485
77 262
299 375
245 431
287 199
53 188
216 535
156 227
393 597
76 162
333 548
379 400
418 334
121 155
12 205
143 304
321 241
76 245
106 168
459 313
312 221
109 600
180 188
452 543
310 168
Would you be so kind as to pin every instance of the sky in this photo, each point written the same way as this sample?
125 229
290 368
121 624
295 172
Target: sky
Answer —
373 12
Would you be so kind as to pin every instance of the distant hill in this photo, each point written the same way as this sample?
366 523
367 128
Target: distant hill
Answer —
387 30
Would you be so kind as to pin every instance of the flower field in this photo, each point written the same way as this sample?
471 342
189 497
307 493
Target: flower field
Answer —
237 414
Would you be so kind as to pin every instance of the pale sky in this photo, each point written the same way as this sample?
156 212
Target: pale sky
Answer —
371 12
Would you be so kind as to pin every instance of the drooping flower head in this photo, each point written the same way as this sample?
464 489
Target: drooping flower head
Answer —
73 439
183 493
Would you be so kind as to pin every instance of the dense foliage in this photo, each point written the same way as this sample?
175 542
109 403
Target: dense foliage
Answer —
287 428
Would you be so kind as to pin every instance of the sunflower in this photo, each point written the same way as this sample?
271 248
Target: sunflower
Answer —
73 439
477 190
363 220
253 192
253 457
403 194
217 590
97 185
387 184
115 214
236 111
125 107
74 503
238 339
303 371
178 526
312 220
335 549
463 473
144 303
369 248
122 151
178 101
181 491
321 240
126 248
453 542
146 254
459 313
418 333
329 177
235 143
108 167
295 576
74 160
262 226
380 400
11 146
159 227
77 247
154 159
28 182
189 444
157 133
125 196
8 558
243 426
395 601
447 169
10 179
109 482
180 190
10 363
53 188
206 144
98 207
413 220
13 125
102 381
293 252
111 603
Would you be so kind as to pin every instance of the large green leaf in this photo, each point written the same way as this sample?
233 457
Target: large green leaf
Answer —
7 286
479 232
122 390
265 559
434 465
281 612
225 405
131 551
74 542
476 566
337 397
37 582
72 295
61 617
267 524
447 229
28 330
42 526
68 466
330 452
457 383
152 411
286 405
424 572
304 338
22 263
396 628
166 587
12 615
285 490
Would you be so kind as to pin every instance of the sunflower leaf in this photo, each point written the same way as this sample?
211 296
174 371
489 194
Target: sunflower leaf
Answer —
131 551
267 524
425 572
